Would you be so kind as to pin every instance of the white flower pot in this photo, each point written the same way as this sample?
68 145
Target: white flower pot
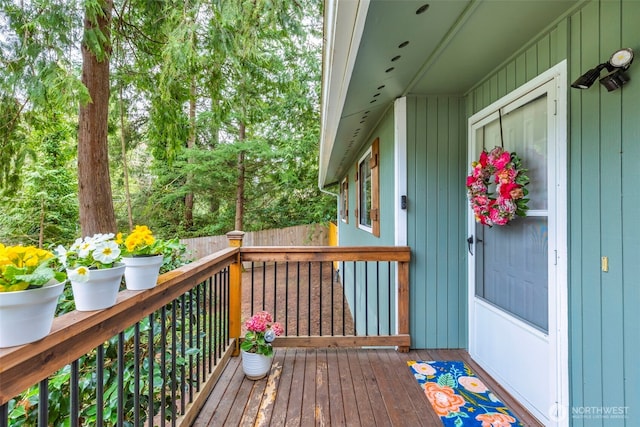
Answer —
100 291
26 316
142 271
255 366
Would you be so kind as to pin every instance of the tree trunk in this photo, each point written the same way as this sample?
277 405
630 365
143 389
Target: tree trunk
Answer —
94 184
240 188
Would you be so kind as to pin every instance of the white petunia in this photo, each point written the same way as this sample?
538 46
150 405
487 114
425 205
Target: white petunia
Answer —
97 238
80 274
85 248
76 245
106 252
61 252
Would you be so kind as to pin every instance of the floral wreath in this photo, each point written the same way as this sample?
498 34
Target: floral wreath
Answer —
506 171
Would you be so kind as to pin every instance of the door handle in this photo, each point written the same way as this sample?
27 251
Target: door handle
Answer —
470 242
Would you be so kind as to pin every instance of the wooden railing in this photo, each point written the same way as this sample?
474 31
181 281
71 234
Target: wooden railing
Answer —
341 287
77 334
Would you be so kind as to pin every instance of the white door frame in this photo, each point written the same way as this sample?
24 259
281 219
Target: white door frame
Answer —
558 412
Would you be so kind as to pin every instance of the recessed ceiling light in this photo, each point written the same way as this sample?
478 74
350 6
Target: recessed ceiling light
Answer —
372 101
376 94
379 87
422 9
388 70
403 44
395 58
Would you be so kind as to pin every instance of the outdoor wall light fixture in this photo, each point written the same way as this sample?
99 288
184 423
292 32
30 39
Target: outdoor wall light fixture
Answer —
616 65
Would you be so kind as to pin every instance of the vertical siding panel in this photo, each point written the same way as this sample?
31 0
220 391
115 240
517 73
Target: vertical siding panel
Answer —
560 43
521 70
576 364
591 217
531 61
543 57
417 202
511 77
611 184
431 220
493 88
462 218
630 210
486 96
502 82
455 227
442 219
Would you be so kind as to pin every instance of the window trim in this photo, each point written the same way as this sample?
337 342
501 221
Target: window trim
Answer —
374 163
344 200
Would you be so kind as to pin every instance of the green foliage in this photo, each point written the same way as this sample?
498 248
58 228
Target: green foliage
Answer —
233 62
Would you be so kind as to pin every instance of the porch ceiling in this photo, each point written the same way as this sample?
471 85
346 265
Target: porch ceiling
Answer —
451 47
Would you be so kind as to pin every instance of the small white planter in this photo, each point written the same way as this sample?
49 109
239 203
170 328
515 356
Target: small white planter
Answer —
100 291
142 271
26 316
255 366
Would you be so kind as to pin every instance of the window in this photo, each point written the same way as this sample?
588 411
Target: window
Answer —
344 200
367 174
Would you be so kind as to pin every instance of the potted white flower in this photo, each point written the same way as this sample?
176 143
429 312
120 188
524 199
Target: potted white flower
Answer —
30 285
94 269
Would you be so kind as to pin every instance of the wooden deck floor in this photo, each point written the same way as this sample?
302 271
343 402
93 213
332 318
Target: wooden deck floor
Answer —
335 387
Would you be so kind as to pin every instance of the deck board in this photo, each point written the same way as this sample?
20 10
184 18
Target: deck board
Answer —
335 387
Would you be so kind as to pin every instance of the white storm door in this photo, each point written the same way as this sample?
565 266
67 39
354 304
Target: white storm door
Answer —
514 291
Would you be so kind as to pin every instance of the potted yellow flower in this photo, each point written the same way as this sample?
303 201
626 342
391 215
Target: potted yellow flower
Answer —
94 269
29 289
143 256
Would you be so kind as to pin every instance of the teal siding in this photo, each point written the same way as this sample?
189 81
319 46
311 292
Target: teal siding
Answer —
630 229
603 199
436 221
350 234
604 203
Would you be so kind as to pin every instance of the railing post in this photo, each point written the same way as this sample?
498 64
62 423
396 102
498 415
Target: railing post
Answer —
235 291
403 301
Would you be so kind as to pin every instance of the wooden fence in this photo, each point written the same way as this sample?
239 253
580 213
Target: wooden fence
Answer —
300 235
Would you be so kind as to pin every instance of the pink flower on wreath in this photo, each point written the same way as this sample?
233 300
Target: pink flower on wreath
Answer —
496 217
507 206
506 189
496 420
505 176
501 161
484 159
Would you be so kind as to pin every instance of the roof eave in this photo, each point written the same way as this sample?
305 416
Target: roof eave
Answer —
343 27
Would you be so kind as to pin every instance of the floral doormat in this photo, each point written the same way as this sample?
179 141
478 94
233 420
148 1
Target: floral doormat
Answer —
459 397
